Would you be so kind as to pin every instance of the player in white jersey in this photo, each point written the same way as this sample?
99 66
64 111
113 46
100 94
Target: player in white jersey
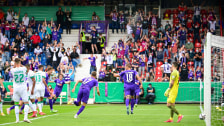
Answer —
31 84
3 89
40 78
20 89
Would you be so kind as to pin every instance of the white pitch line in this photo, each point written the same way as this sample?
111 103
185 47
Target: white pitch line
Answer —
30 119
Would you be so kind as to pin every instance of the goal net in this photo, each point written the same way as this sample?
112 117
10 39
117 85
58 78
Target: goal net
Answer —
213 80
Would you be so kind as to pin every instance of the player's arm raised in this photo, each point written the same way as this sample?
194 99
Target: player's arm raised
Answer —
79 81
34 83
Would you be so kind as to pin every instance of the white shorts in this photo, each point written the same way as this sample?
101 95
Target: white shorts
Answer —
39 93
20 93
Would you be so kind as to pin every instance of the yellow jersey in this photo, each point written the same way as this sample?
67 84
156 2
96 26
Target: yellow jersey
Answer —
175 77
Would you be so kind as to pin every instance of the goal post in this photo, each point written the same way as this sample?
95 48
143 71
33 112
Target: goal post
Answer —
213 65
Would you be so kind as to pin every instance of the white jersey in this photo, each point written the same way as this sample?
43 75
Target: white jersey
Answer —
39 79
19 77
166 68
29 80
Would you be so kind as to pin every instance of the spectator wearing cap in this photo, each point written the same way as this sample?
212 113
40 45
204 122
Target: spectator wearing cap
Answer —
150 94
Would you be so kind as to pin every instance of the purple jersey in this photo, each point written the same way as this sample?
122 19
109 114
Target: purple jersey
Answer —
92 61
128 76
59 85
89 83
223 88
54 35
102 74
138 30
126 49
191 74
198 74
67 77
138 84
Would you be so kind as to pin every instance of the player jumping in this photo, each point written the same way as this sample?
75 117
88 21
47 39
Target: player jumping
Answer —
87 84
20 89
129 85
59 85
171 93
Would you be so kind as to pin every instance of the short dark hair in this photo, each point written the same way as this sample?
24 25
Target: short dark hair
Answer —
40 66
150 84
27 66
17 60
175 64
93 73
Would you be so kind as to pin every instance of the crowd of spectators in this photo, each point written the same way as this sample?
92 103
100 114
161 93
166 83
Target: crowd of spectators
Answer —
36 44
151 47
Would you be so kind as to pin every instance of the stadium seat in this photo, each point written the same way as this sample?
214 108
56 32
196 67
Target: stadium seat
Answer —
160 45
197 45
203 11
175 11
104 64
189 11
159 63
62 96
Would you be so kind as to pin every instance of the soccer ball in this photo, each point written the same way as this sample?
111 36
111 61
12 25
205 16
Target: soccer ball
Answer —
202 116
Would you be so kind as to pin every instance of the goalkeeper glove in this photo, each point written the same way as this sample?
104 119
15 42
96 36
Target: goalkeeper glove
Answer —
167 92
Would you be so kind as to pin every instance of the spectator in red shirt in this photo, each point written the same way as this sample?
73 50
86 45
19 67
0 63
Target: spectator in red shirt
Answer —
35 40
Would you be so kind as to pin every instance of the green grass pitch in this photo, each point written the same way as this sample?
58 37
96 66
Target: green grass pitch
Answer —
110 115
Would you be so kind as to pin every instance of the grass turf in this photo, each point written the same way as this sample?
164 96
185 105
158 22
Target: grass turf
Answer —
111 115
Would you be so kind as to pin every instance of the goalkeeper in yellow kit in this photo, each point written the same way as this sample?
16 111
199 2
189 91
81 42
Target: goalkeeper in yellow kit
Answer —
172 91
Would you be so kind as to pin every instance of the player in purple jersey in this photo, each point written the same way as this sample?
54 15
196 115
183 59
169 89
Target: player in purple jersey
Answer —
138 87
87 84
59 85
128 77
47 93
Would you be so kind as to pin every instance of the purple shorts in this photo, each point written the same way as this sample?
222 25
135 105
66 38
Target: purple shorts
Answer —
47 94
137 90
83 95
20 99
57 93
129 90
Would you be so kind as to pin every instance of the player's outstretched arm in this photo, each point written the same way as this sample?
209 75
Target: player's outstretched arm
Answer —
79 81
34 83
98 91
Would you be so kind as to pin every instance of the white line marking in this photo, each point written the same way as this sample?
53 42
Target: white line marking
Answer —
30 119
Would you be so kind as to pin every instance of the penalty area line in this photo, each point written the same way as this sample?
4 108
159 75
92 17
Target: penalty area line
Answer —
29 119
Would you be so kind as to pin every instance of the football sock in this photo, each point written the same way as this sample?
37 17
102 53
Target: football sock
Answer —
1 107
54 101
132 104
42 104
34 106
136 101
12 107
51 104
17 112
127 102
171 114
80 110
31 105
76 103
36 101
21 109
174 110
39 106
26 110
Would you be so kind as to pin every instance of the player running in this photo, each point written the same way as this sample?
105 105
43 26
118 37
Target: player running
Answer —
87 84
3 89
47 93
138 87
59 85
129 85
31 84
40 78
172 91
20 89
